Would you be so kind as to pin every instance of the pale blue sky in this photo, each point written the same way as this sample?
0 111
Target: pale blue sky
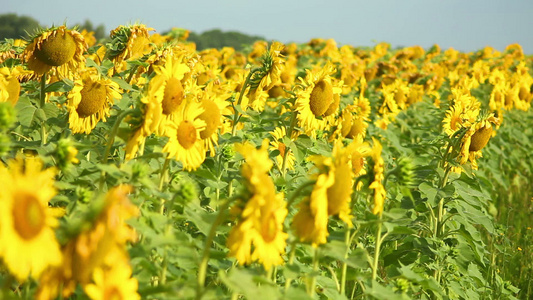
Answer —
466 25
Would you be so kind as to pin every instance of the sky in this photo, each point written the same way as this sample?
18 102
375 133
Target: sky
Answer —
465 25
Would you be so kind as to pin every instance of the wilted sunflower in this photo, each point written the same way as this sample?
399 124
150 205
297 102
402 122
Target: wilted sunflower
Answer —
315 99
90 101
56 47
185 143
28 244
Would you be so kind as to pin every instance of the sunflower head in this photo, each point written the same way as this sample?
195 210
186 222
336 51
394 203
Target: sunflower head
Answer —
55 47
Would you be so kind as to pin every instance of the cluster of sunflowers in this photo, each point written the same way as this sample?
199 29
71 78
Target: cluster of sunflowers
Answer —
196 102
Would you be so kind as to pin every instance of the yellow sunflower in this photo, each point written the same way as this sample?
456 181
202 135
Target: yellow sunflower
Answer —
314 100
311 221
214 108
377 184
90 101
9 84
115 282
476 138
340 192
259 235
56 48
168 88
185 143
28 245
128 42
284 151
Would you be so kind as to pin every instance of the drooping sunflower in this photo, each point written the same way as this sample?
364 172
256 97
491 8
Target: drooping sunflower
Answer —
185 143
259 235
310 223
314 100
56 48
90 101
476 138
28 245
128 42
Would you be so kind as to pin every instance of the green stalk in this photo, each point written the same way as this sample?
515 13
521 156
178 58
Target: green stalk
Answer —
202 268
162 179
378 249
312 282
236 114
42 100
291 260
287 149
110 142
344 265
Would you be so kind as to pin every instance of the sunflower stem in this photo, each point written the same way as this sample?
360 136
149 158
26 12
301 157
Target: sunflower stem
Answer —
312 281
202 268
344 270
378 248
110 142
162 179
236 114
289 134
291 260
42 100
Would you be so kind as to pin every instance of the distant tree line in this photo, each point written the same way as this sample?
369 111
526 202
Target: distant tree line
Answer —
13 26
218 39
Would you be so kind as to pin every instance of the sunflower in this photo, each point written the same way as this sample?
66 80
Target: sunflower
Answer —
128 42
476 138
214 107
285 152
185 143
9 84
168 89
310 223
377 184
339 193
28 245
90 101
115 282
56 48
258 235
314 100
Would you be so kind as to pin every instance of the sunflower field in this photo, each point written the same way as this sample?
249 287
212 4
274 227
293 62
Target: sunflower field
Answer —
138 167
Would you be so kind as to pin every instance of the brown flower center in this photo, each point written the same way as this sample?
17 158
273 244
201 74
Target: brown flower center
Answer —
173 95
334 106
358 127
321 98
93 97
480 139
211 116
186 134
56 49
28 216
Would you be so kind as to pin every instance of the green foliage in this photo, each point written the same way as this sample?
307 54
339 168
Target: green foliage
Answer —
217 38
13 26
